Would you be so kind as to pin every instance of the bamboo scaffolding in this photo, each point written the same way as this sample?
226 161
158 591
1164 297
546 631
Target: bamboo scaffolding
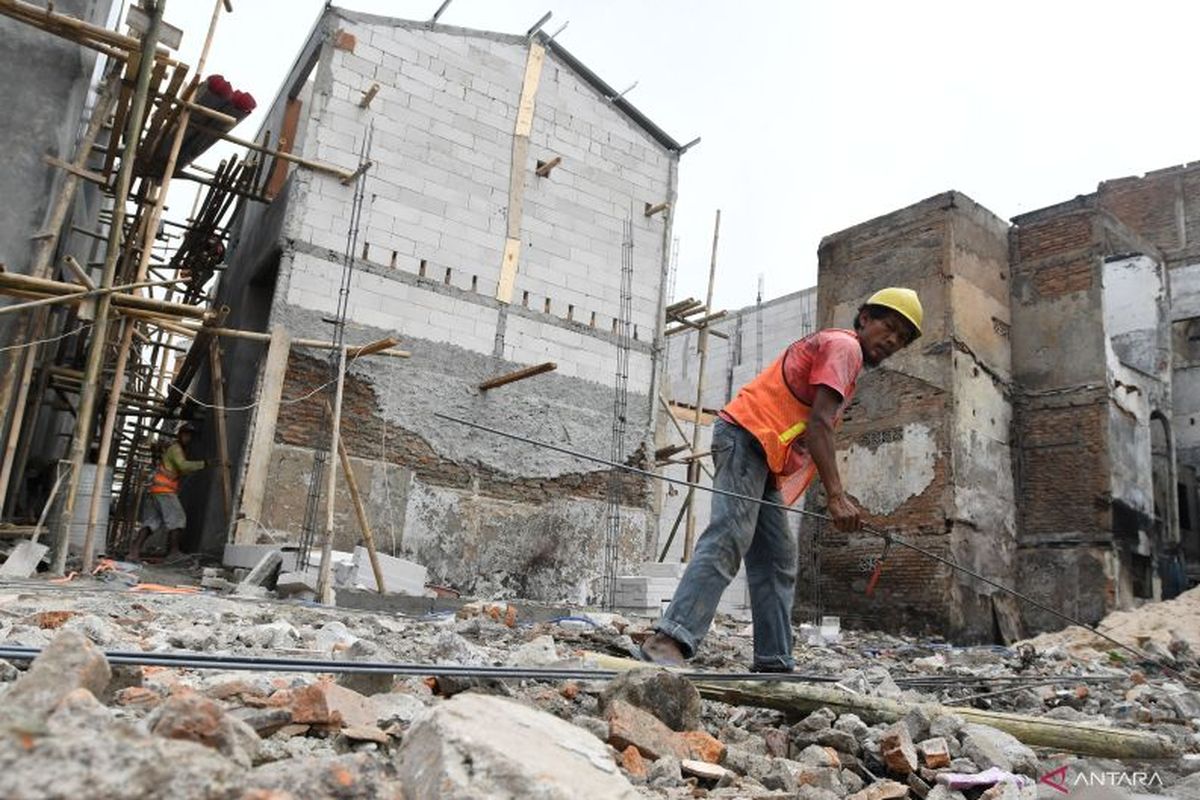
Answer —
693 467
83 422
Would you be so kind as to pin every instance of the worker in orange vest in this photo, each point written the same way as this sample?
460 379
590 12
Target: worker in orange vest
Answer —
161 509
769 442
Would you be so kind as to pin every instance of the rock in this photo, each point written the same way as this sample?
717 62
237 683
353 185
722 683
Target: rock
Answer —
79 712
630 725
1186 703
815 793
702 769
365 733
897 749
749 764
195 718
450 648
821 777
919 787
264 721
881 790
940 792
632 761
278 635
539 652
934 752
946 726
481 746
596 727
776 742
779 777
664 773
702 746
817 756
851 780
851 724
392 708
333 636
669 697
67 663
818 720
844 741
1006 790
8 672
137 697
356 775
989 747
329 704
964 765
917 720
121 764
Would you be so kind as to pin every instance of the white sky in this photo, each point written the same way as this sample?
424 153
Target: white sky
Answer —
817 116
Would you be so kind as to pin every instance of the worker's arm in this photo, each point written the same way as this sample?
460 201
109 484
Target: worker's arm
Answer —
820 442
176 462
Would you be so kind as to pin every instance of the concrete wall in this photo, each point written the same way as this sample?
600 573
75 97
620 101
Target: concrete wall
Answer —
485 514
45 101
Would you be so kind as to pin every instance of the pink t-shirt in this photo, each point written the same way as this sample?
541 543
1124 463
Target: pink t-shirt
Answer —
832 357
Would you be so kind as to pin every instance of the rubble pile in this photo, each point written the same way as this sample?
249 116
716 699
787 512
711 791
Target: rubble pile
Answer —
74 725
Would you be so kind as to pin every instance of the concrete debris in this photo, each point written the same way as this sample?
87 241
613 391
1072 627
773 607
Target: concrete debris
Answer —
645 734
478 746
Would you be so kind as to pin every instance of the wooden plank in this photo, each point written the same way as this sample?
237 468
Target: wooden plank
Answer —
529 87
508 270
266 415
517 375
545 168
79 172
279 166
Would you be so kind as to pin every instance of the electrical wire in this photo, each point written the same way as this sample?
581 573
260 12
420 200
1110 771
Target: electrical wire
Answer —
887 537
80 329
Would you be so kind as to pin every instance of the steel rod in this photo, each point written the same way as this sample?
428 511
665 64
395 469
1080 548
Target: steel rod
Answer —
824 517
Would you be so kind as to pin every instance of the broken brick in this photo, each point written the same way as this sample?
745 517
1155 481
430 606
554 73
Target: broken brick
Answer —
898 751
935 752
885 789
51 620
630 725
329 704
137 697
703 747
632 761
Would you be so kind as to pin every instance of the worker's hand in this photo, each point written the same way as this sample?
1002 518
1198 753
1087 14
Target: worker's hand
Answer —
847 517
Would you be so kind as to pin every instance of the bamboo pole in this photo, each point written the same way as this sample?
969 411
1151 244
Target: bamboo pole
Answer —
87 401
693 471
798 698
324 585
35 327
76 296
217 379
360 512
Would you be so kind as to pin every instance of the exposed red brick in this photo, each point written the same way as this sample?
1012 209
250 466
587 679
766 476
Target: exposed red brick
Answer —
344 40
632 761
629 725
703 747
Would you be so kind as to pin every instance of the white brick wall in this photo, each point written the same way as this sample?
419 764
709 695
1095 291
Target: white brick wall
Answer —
438 190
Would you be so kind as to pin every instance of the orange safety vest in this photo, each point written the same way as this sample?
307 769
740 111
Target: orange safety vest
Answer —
164 481
768 409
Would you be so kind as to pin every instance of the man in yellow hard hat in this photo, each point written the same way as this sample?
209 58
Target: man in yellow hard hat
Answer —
770 442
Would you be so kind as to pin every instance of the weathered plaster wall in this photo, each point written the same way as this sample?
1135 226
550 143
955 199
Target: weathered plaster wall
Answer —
924 447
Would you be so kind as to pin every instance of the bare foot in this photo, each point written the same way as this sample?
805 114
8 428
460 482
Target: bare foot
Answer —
660 648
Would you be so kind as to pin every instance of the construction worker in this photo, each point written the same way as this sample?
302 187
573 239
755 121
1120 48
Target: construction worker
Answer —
161 509
770 442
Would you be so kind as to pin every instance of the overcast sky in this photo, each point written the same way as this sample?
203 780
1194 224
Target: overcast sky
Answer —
817 116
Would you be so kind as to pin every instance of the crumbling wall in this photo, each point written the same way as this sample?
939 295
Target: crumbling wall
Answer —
1088 359
486 514
923 448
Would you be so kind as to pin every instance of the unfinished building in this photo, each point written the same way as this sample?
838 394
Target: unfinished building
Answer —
502 174
1041 432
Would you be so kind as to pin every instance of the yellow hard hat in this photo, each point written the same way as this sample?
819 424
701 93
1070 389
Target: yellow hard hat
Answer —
903 301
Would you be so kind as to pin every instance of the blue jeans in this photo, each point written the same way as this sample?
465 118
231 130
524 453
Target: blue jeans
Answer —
739 530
